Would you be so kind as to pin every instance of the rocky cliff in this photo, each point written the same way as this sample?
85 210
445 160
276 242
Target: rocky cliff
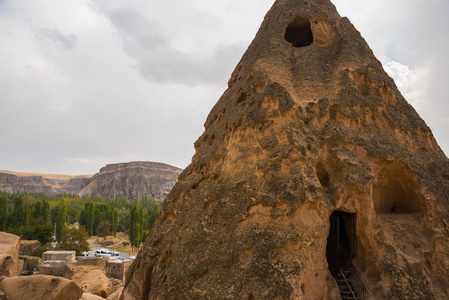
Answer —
311 162
132 180
19 182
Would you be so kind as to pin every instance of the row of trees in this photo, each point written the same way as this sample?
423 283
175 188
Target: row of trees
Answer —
36 216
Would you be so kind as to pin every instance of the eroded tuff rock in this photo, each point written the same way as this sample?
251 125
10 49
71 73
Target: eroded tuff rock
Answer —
39 287
311 129
133 180
9 254
92 280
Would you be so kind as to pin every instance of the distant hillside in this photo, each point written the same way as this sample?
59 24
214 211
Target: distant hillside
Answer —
19 182
132 180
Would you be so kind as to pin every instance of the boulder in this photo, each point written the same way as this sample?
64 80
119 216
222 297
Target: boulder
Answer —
311 163
116 295
92 280
39 287
3 296
87 296
9 254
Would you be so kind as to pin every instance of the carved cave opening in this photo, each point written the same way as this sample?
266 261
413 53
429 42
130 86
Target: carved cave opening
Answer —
322 174
341 243
299 33
395 192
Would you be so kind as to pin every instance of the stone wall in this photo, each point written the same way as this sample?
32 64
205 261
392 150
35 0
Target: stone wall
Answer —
28 247
56 268
117 269
92 261
67 256
31 263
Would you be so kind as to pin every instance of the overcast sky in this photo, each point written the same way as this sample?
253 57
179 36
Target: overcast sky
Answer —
85 83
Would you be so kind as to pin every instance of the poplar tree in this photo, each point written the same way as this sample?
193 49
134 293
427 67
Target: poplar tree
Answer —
115 222
135 225
90 217
3 212
61 215
19 213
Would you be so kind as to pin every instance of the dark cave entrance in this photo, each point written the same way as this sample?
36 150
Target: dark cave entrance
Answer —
341 242
299 33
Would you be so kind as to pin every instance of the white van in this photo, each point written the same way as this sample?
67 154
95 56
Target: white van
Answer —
106 253
103 252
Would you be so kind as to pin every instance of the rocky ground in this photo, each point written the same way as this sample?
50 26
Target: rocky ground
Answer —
73 283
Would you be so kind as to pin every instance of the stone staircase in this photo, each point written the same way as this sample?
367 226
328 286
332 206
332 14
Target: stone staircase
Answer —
347 289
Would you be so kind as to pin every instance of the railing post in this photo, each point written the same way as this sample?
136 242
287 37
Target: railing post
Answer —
359 284
348 285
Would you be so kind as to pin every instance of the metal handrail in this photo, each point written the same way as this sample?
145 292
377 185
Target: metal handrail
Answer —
347 284
360 286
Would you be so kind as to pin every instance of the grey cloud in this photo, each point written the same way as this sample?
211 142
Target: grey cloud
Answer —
62 41
172 66
160 62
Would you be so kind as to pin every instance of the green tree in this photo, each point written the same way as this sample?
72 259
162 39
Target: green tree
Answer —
45 211
43 233
104 229
3 212
25 232
153 212
87 217
39 213
135 225
74 239
59 215
19 212
115 222
37 210
143 236
72 214
103 212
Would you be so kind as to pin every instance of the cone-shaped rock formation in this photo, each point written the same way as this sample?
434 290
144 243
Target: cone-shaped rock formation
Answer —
310 160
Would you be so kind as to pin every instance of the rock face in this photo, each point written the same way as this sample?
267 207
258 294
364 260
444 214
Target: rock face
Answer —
9 254
18 182
40 287
92 280
310 160
133 180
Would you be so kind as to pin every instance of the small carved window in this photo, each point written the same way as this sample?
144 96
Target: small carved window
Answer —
299 33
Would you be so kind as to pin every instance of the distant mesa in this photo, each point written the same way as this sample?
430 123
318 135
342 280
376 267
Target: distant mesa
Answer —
132 180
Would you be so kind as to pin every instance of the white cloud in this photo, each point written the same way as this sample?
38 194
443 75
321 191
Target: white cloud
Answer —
407 81
63 41
89 80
